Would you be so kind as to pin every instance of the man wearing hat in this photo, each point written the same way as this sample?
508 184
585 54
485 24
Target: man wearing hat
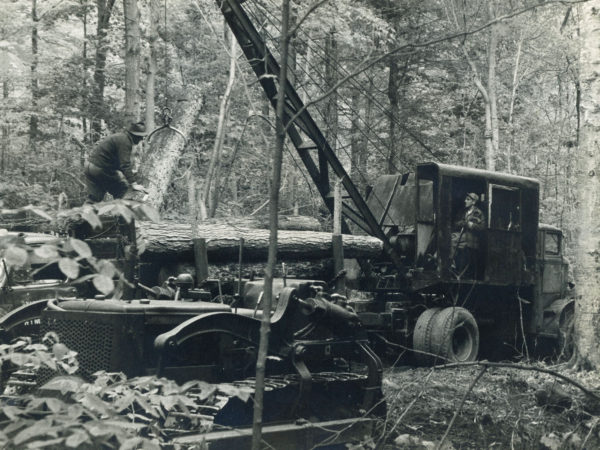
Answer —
109 166
465 237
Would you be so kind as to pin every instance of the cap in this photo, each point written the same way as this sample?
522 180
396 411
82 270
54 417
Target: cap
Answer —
473 196
137 129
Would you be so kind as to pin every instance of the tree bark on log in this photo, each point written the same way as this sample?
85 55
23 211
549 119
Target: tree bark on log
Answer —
172 241
298 223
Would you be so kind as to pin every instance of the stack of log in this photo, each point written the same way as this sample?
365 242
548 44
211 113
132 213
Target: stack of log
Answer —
306 252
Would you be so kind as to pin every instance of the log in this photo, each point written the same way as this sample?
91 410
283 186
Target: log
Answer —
299 223
168 240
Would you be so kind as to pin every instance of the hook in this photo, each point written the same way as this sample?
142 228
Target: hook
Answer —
167 118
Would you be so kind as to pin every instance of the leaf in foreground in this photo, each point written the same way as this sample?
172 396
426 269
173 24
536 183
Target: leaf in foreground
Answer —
104 284
69 267
15 256
81 247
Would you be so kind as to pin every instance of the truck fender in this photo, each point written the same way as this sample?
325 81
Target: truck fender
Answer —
556 314
22 321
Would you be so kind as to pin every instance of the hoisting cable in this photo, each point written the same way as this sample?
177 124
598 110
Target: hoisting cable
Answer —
167 117
268 17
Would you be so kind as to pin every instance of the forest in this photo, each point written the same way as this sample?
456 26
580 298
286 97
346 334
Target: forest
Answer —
470 83
500 86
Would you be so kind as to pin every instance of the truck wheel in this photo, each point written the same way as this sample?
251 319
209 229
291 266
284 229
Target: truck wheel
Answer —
422 336
455 335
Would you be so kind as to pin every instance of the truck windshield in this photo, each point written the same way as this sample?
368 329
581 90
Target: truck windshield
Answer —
552 244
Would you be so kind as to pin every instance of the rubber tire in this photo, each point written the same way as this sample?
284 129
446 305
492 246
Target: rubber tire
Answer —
455 336
422 336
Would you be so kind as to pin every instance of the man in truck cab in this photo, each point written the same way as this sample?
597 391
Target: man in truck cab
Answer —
465 238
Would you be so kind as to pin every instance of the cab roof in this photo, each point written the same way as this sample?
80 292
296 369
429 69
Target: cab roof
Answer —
469 172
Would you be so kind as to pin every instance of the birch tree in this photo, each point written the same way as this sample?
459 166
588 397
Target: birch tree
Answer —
152 64
211 185
104 13
587 309
486 87
132 59
33 118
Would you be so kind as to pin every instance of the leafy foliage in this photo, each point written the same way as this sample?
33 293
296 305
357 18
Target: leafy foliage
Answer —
73 256
112 411
425 82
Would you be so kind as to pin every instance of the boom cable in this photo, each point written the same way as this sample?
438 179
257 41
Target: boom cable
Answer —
266 15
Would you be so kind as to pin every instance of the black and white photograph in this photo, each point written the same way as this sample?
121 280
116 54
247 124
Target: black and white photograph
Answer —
300 224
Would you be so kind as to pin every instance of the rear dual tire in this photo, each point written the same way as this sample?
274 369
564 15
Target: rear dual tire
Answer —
446 335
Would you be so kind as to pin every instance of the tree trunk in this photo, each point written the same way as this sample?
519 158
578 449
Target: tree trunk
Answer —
392 92
211 184
357 147
331 105
33 118
289 201
511 108
170 240
84 55
265 325
487 103
491 89
5 131
98 113
587 271
152 63
286 222
165 150
132 60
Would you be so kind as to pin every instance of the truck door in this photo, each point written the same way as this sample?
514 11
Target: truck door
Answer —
505 257
553 267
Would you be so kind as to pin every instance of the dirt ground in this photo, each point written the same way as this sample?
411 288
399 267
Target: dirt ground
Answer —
506 408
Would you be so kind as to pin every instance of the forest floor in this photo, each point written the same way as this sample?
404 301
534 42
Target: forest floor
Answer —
505 408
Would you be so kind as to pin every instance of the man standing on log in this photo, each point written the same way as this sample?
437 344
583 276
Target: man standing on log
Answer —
109 167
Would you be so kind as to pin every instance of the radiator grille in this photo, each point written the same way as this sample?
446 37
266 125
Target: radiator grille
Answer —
92 340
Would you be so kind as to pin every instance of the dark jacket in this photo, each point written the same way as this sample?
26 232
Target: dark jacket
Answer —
114 153
467 228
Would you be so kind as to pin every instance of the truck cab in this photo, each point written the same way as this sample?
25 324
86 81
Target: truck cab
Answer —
419 211
513 257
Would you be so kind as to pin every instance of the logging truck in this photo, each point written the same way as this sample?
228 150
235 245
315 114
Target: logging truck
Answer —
412 296
406 290
419 299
